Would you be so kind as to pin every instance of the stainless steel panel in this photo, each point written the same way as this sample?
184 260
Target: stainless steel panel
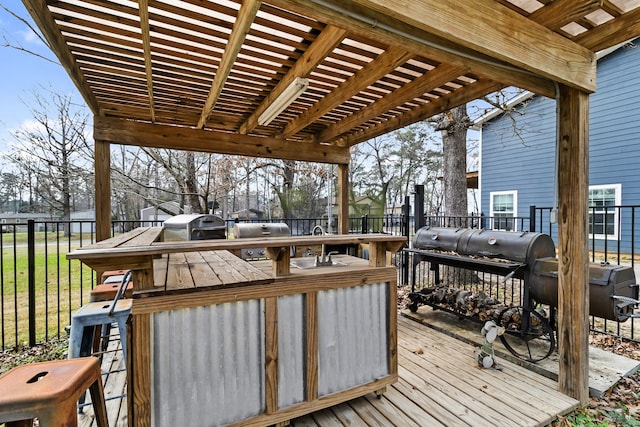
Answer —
291 350
208 364
243 230
352 336
194 227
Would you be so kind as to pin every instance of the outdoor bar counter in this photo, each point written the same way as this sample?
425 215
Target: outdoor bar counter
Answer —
216 340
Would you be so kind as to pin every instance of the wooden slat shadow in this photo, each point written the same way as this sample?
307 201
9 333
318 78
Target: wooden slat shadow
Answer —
439 384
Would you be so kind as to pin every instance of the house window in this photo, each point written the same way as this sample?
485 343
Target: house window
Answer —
504 209
603 214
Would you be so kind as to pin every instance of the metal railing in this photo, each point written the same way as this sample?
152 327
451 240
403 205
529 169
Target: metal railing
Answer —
40 289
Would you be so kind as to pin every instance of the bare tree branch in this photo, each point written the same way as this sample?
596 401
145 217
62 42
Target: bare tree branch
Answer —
18 46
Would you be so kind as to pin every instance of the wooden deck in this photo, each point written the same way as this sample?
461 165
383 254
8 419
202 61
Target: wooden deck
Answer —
439 384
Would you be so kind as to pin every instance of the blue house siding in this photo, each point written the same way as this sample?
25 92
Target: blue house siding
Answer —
518 151
520 156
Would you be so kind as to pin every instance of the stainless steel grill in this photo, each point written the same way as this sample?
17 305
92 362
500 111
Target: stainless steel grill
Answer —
194 227
245 230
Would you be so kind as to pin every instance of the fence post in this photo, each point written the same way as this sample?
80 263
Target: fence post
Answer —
406 216
365 224
419 207
31 275
532 218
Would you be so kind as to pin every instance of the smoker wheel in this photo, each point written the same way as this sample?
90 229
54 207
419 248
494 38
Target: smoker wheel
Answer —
527 335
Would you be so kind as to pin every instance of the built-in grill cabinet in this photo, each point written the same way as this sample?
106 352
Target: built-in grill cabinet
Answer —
246 230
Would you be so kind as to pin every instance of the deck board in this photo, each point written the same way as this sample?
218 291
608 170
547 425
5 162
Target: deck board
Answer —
439 384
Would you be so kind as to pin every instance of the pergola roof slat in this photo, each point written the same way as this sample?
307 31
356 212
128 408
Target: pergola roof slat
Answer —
230 60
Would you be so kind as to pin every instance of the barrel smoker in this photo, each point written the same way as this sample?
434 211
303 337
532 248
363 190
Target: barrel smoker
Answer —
613 292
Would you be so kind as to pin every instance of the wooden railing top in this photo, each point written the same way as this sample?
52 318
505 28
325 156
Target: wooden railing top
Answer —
120 245
145 242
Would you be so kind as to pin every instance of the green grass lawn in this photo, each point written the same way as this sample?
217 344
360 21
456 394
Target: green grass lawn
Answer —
61 286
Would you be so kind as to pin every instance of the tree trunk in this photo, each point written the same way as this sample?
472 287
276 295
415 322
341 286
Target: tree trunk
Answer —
454 126
191 184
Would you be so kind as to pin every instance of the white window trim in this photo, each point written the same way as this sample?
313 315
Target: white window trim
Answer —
616 212
514 193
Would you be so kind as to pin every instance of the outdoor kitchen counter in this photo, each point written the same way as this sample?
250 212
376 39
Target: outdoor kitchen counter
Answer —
219 340
137 249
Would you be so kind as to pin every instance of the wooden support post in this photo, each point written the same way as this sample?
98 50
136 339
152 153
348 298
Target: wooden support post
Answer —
271 354
102 168
377 254
139 372
573 263
139 358
311 334
280 257
343 198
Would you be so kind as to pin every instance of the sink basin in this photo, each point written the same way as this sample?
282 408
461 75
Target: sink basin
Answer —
306 263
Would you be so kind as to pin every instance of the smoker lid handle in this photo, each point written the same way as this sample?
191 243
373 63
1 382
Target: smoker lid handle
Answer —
513 272
625 301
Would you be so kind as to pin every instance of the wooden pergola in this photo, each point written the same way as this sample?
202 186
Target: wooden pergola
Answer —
212 76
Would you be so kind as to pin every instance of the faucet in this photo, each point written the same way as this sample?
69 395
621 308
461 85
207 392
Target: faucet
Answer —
324 259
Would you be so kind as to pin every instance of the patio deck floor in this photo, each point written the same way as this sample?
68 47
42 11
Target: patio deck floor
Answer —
439 384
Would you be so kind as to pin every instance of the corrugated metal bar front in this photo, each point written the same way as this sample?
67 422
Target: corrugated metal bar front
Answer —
291 350
208 364
352 336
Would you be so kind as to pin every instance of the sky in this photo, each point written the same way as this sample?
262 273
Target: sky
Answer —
21 73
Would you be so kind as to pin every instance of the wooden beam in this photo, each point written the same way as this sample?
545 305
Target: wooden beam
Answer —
129 132
611 33
443 103
559 13
139 373
386 62
271 354
505 36
311 346
242 25
143 10
343 198
573 256
435 78
102 178
426 45
326 41
39 11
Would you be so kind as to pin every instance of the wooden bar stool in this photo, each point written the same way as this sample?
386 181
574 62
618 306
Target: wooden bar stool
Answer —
110 273
107 291
49 391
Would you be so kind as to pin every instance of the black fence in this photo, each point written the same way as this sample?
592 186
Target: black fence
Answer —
40 289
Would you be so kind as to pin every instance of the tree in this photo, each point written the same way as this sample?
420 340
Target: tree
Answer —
55 152
412 161
298 187
370 175
453 125
387 168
